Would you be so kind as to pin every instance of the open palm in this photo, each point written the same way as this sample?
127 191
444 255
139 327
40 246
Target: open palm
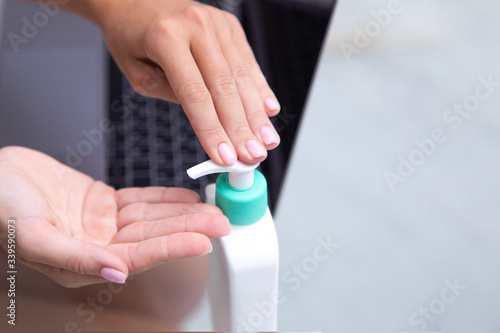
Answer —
80 231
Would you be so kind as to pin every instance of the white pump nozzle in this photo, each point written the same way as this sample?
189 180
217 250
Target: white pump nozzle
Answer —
241 175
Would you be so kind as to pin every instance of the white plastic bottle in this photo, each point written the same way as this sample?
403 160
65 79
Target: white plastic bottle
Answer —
243 287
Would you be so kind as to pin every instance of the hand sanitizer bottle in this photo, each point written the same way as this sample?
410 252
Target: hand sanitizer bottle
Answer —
243 289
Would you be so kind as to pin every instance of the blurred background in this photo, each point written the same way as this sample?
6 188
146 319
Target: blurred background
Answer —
388 217
415 223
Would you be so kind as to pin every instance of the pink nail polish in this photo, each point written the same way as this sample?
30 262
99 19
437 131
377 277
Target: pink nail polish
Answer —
207 251
227 154
272 104
268 135
113 275
255 149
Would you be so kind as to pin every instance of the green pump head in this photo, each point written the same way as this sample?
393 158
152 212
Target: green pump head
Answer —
241 191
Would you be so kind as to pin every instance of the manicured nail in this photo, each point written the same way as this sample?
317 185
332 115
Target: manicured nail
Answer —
227 154
268 135
207 251
113 275
255 149
272 104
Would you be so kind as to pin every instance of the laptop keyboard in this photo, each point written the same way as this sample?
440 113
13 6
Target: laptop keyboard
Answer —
151 144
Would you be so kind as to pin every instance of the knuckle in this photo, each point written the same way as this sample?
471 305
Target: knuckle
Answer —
240 73
263 87
235 25
162 31
77 263
225 87
211 130
198 15
252 64
232 19
160 27
240 130
195 92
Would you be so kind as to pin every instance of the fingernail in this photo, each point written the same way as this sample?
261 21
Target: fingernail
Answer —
227 154
228 231
113 275
255 149
272 104
208 251
268 135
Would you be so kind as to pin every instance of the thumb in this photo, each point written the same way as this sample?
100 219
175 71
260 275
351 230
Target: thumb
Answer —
44 244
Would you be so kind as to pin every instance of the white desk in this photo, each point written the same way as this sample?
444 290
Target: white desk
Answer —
398 252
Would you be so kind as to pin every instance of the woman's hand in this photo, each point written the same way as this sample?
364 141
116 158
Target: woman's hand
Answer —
197 55
79 231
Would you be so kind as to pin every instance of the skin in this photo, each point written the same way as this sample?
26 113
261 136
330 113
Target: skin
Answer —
69 226
198 56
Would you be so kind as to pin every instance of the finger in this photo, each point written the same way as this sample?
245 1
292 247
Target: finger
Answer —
98 212
268 98
148 79
65 278
128 196
256 115
227 100
138 212
40 242
175 57
211 225
146 254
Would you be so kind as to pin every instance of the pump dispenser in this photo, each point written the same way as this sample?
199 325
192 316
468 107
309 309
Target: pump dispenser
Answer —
241 191
243 287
